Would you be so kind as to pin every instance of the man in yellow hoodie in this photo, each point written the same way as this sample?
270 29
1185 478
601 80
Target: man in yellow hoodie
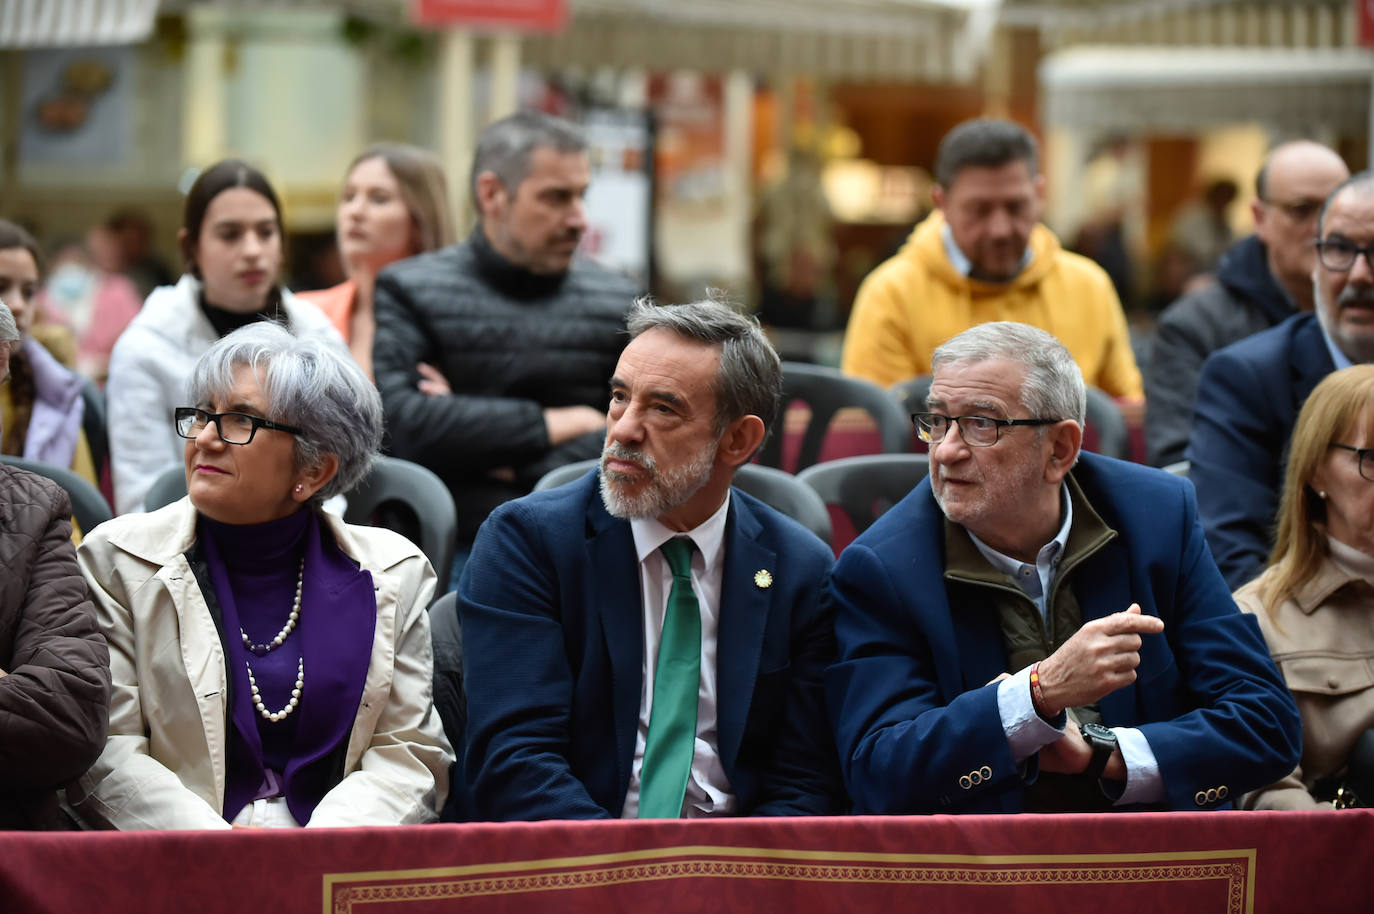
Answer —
984 256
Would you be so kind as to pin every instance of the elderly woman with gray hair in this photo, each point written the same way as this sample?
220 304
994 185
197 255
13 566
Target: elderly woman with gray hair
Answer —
271 664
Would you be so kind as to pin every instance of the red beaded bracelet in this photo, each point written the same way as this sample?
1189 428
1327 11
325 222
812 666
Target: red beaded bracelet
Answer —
1037 696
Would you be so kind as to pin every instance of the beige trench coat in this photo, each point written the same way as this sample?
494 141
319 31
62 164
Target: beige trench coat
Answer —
1322 638
164 764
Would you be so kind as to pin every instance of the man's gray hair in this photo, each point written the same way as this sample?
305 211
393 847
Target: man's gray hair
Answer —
309 383
1053 388
749 380
1361 183
506 146
9 329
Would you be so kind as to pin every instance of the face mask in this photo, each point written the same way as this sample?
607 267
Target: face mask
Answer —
70 282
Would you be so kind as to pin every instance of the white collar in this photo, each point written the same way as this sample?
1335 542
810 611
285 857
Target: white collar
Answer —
709 535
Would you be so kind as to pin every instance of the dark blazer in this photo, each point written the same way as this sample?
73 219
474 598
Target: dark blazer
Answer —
1248 399
553 641
911 695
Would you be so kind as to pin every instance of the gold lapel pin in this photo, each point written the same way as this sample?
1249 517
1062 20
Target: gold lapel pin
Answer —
762 579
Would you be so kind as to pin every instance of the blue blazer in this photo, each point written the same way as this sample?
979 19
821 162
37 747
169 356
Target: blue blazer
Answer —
910 695
1248 398
553 642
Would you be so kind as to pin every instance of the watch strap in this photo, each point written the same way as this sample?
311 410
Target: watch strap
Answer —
1103 747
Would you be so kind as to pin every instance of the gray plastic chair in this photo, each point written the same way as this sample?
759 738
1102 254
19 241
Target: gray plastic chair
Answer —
778 489
1106 422
93 424
825 392
911 393
450 696
169 486
89 507
392 482
867 486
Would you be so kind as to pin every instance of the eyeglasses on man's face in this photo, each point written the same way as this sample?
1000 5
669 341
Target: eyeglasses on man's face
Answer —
1365 456
1340 255
233 428
977 431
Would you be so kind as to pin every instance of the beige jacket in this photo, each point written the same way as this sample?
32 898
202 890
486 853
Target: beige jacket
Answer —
164 764
1323 641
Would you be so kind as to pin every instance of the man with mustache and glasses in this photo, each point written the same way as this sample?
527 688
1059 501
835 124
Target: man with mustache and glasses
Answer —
1031 630
523 333
1250 392
648 642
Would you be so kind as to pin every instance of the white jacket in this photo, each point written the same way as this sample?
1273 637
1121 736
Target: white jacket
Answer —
165 761
150 367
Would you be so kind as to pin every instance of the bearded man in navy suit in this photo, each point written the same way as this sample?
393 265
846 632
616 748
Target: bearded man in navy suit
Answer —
649 641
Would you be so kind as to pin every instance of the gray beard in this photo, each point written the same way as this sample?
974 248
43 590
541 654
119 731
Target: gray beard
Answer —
666 489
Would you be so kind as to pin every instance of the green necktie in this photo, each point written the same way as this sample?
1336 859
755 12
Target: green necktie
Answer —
677 678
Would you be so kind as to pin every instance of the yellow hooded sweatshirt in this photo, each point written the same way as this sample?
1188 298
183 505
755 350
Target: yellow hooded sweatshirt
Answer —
917 300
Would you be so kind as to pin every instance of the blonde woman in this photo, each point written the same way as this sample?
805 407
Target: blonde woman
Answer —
1315 602
394 205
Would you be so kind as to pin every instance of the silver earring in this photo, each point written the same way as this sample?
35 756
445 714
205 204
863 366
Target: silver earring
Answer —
1322 495
299 487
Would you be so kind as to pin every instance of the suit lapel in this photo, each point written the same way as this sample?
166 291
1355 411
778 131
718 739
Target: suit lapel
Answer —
744 609
613 596
1310 359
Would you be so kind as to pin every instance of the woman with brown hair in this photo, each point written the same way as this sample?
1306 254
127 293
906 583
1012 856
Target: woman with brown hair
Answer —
41 407
231 239
394 205
1315 602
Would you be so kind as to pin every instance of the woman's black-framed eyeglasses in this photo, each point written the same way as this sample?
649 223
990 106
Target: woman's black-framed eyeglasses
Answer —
233 428
1366 455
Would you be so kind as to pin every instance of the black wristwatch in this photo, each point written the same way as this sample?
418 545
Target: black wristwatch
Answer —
1102 741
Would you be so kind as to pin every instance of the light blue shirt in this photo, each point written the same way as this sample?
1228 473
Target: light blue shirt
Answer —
959 260
1027 732
1338 358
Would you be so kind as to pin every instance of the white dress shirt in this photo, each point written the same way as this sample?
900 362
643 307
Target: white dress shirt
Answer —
708 789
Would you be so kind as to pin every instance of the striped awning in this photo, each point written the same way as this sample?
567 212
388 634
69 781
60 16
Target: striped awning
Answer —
74 23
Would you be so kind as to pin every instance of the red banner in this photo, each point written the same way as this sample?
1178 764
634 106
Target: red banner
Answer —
522 15
1209 863
1364 12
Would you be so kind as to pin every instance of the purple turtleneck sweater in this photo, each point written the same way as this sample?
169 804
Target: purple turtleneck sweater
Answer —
262 562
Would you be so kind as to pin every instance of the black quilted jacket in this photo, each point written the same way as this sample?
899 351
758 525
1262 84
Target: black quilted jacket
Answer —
55 694
510 344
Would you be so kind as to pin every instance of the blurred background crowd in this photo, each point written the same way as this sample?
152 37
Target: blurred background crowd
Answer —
776 150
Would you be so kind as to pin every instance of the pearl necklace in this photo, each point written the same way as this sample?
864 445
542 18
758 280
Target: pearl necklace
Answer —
262 650
291 705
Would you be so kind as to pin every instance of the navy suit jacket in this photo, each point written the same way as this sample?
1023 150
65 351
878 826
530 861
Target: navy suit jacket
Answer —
911 694
1248 398
553 642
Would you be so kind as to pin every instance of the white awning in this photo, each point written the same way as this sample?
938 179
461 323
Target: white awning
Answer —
74 23
1182 90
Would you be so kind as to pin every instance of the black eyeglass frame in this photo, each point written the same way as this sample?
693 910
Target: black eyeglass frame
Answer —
999 424
1340 244
1363 453
255 423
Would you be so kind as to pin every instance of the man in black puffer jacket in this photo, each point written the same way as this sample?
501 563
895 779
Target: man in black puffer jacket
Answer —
525 336
1261 280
